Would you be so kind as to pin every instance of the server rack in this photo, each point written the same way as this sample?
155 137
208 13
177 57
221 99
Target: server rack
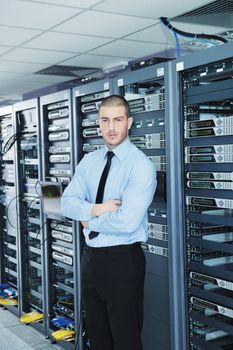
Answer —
61 243
29 219
206 87
146 93
87 99
8 237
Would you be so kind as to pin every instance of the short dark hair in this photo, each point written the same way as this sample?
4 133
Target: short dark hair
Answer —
116 101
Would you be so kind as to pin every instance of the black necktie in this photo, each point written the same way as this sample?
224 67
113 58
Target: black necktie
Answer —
100 191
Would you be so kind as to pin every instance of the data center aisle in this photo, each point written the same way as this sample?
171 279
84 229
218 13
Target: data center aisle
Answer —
16 336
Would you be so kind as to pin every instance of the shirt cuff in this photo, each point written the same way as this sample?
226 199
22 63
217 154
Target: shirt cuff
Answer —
93 224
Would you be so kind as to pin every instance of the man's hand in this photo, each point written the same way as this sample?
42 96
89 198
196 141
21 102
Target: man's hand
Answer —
85 224
111 205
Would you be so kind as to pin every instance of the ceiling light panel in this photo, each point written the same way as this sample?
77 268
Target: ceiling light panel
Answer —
66 42
104 24
150 8
33 15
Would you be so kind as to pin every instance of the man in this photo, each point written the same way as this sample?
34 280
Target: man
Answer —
114 217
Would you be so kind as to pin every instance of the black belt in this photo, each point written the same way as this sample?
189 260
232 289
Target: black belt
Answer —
111 249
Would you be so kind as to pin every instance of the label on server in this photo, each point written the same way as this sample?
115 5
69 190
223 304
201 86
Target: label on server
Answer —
61 249
210 176
158 231
212 149
215 121
90 148
148 141
90 107
148 107
155 249
215 131
57 105
217 185
209 158
60 158
63 258
207 305
96 96
148 123
157 212
210 202
59 172
92 132
59 136
56 150
89 122
196 276
59 113
58 127
61 227
145 99
62 236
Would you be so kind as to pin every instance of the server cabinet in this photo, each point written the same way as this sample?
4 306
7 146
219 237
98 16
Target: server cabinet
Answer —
9 278
87 99
61 243
29 219
146 93
206 87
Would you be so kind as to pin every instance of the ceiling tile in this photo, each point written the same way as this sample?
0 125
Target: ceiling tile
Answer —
70 3
21 67
150 8
44 78
133 49
95 61
4 49
16 36
66 42
104 24
33 15
36 56
4 76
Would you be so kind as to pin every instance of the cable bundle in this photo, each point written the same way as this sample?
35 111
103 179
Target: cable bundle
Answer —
8 301
31 317
7 294
62 321
64 334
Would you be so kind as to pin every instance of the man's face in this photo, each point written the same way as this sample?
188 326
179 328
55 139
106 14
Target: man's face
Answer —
114 124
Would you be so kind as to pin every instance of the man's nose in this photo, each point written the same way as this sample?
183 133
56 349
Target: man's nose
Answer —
111 125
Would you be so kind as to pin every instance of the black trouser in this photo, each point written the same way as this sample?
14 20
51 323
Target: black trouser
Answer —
112 294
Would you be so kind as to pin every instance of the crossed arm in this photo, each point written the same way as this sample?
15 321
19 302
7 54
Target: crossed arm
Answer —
115 215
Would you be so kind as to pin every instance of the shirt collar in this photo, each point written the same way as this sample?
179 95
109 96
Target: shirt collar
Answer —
121 150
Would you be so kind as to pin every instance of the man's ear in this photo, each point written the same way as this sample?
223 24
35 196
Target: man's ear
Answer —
130 122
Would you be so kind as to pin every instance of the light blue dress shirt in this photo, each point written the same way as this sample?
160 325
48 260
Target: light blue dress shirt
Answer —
131 179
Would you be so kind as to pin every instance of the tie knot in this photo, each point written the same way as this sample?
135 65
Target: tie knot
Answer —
110 155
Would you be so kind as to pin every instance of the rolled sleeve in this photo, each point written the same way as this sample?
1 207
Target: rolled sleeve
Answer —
74 203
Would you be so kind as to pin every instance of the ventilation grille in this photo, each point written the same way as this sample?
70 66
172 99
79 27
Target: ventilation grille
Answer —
218 13
69 71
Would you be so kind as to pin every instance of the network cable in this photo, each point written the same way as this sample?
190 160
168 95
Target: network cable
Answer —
176 31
